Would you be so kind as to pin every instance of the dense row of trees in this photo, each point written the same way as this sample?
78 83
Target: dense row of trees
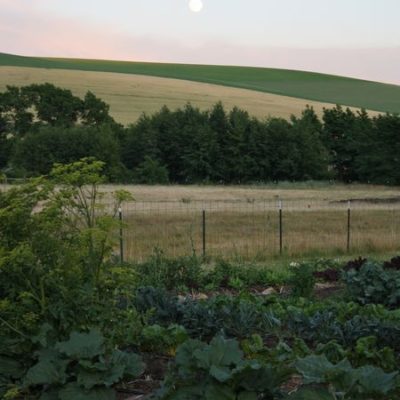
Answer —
43 124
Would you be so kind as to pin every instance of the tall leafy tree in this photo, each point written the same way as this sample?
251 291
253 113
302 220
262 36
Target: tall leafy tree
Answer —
380 157
38 151
53 105
95 112
201 157
312 157
16 114
339 135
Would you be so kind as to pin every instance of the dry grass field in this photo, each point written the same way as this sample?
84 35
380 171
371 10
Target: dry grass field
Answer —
131 95
254 235
308 191
243 222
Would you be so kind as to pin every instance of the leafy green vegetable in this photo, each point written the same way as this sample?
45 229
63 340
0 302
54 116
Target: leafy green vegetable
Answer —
218 371
82 345
345 381
81 367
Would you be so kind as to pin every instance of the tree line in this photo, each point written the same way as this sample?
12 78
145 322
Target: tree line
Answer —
43 124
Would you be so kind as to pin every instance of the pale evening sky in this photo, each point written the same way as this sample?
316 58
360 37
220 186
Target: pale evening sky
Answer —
358 38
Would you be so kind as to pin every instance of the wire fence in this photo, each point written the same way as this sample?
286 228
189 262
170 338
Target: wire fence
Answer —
258 229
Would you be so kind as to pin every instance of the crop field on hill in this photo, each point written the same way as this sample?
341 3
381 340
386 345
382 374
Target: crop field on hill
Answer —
306 85
131 95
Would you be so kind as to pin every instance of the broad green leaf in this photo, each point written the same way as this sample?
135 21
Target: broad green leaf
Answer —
89 379
83 345
47 372
93 366
72 391
253 376
220 352
221 374
375 381
42 337
313 368
342 376
132 363
184 353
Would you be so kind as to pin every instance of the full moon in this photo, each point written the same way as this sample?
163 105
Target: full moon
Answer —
195 5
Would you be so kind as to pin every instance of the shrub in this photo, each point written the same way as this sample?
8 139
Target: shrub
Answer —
373 284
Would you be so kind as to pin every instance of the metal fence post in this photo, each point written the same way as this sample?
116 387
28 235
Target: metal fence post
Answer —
280 227
348 225
204 232
121 238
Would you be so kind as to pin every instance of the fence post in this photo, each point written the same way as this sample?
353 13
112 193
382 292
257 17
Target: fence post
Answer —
204 232
348 225
280 227
121 238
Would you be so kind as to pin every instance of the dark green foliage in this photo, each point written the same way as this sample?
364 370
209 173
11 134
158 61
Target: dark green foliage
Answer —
373 284
95 112
218 371
232 147
53 105
171 274
303 280
312 154
344 380
157 339
192 146
55 277
151 172
66 145
163 306
339 134
235 317
331 324
81 367
237 276
24 109
380 148
16 114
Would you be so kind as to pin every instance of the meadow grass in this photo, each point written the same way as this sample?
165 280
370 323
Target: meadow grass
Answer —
287 191
254 235
305 85
242 221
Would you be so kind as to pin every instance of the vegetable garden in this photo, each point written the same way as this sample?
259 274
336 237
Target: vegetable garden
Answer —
75 323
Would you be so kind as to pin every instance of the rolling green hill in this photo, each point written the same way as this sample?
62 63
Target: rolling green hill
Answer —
305 85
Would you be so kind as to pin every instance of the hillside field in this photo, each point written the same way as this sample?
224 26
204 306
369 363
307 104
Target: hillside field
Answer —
303 85
131 95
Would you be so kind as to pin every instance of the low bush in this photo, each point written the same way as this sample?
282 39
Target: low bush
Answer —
372 284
